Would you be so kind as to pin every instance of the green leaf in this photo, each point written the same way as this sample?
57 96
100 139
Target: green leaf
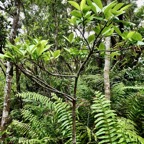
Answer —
9 56
31 49
73 20
91 38
56 54
108 32
1 56
99 3
97 29
117 13
66 39
71 37
117 30
43 42
118 6
74 51
92 6
126 7
113 54
82 4
76 13
47 56
74 4
68 50
135 36
41 47
107 9
97 9
102 46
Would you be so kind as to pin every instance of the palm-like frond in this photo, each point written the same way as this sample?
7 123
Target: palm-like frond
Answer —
48 119
105 120
128 130
109 129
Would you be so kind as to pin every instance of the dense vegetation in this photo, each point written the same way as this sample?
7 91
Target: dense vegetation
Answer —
71 72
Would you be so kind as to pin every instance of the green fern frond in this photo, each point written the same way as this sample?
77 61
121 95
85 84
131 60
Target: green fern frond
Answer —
110 129
118 90
128 130
105 120
59 121
25 129
28 141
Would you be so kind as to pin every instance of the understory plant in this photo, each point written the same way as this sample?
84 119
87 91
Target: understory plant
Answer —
49 121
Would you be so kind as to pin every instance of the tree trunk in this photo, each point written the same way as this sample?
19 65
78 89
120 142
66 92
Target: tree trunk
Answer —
107 68
9 72
107 65
18 87
6 106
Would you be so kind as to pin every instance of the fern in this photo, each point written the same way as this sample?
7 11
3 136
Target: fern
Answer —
105 120
110 129
49 121
46 120
129 132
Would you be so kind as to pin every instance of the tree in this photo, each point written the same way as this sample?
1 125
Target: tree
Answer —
9 71
60 63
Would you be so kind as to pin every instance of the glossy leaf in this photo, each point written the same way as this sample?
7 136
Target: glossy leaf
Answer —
76 13
117 30
97 9
74 4
135 36
118 6
99 3
91 38
82 4
56 53
71 37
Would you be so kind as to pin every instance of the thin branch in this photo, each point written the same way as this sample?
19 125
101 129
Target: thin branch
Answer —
58 75
43 84
82 34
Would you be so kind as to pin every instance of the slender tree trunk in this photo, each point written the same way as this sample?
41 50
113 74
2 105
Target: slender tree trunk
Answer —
6 106
107 68
56 24
74 111
18 88
9 72
74 122
107 65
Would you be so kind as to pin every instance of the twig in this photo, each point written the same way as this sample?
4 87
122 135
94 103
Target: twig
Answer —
58 75
43 84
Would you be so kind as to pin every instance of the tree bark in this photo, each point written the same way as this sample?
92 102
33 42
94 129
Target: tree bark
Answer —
6 105
107 68
107 65
9 72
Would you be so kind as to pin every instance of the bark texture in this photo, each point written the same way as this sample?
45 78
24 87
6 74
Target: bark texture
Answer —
107 68
107 65
6 105
9 72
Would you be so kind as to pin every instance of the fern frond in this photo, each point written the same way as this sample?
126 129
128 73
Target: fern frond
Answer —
28 141
24 128
128 130
36 97
105 120
60 121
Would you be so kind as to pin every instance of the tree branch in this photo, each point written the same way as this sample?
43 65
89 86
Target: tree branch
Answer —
42 83
57 75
